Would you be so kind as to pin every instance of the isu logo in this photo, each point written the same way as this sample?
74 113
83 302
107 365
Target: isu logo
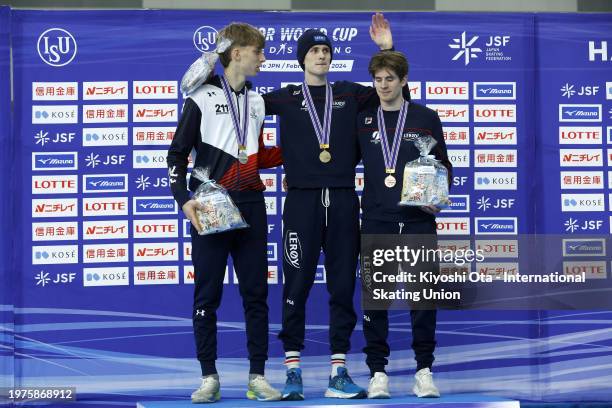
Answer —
56 47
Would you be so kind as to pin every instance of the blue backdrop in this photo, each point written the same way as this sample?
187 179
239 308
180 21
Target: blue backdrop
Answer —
101 276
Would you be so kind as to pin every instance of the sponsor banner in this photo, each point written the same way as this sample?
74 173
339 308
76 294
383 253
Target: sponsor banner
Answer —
271 205
104 206
580 135
115 276
453 245
415 89
269 137
459 158
54 207
452 113
106 253
495 158
269 181
115 229
581 157
157 112
359 182
155 228
104 91
55 114
189 276
154 90
187 251
154 205
494 90
55 161
55 231
497 270
105 183
495 136
272 274
495 180
272 251
151 159
447 90
495 225
156 275
156 251
453 225
153 136
592 269
102 137
459 204
498 248
56 254
582 202
105 113
582 180
579 247
456 135
579 113
494 113
54 185
55 91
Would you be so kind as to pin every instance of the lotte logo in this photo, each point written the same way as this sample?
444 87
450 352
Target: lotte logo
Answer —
56 47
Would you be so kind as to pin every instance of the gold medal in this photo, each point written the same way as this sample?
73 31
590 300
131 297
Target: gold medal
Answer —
390 181
324 156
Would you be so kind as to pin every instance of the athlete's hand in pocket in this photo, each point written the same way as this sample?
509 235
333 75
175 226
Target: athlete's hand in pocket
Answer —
189 208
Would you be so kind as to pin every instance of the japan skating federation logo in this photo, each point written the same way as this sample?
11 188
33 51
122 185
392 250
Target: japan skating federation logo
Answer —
465 47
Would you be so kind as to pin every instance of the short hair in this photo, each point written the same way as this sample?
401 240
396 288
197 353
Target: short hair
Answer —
391 60
241 35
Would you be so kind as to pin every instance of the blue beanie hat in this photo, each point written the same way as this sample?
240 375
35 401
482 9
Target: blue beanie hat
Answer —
309 39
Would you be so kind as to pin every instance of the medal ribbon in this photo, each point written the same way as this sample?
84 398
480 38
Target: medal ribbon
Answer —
390 156
322 132
241 132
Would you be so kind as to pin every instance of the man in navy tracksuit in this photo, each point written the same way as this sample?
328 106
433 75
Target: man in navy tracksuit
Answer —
320 152
213 122
381 214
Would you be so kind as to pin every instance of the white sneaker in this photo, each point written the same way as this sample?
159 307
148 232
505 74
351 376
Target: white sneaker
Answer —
208 391
424 386
379 386
261 390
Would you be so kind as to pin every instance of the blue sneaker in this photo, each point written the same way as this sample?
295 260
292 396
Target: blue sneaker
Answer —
293 391
342 386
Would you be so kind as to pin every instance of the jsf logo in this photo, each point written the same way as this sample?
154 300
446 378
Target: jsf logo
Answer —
465 48
57 47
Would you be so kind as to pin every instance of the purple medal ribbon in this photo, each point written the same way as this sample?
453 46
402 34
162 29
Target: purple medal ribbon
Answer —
241 133
390 156
322 132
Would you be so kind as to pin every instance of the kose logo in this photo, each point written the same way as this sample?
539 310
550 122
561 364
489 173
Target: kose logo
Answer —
54 161
61 254
54 114
154 205
582 202
105 183
459 158
495 181
95 137
495 90
495 226
56 47
584 247
106 276
151 159
579 113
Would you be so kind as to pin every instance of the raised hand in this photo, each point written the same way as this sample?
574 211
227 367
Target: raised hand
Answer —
380 32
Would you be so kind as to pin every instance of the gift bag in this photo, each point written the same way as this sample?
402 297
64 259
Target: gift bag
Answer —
425 179
218 213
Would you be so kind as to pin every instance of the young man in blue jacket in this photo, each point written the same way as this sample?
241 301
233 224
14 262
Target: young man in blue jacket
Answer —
321 211
386 135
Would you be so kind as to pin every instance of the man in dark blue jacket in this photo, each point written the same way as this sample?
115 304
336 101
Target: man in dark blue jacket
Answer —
385 152
320 152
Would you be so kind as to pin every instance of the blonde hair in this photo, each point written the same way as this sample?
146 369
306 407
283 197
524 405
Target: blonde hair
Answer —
241 35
